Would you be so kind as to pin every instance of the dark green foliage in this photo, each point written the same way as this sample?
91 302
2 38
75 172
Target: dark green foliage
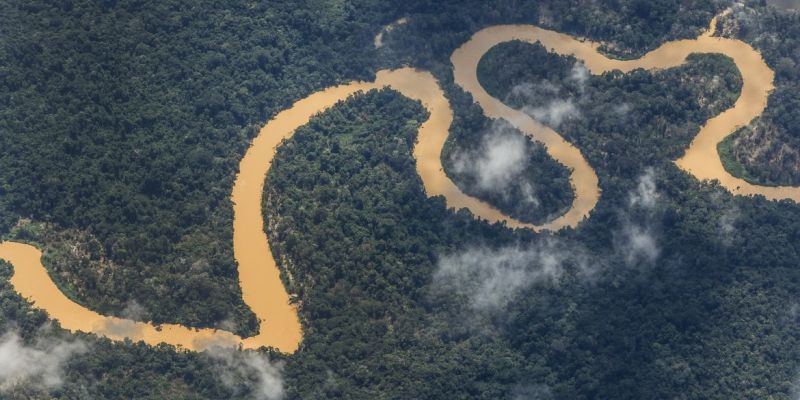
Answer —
768 151
363 239
539 192
727 154
128 120
122 123
621 118
107 370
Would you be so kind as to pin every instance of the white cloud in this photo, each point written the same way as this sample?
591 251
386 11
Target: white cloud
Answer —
498 162
549 108
794 390
785 4
646 194
554 112
727 225
135 311
529 91
532 392
40 364
122 327
580 75
729 214
248 371
529 194
637 241
637 244
228 324
127 324
621 110
492 278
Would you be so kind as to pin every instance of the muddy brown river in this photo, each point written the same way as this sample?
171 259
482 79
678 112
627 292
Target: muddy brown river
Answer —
259 275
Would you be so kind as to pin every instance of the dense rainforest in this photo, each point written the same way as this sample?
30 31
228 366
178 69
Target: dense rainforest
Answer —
768 151
122 124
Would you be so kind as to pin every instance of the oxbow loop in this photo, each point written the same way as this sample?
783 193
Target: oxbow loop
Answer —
259 276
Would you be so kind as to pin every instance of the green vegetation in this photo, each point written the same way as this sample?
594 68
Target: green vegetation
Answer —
768 151
127 120
617 120
727 155
122 124
363 239
532 187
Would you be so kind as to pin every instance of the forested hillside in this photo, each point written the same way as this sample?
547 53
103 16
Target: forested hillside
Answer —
122 124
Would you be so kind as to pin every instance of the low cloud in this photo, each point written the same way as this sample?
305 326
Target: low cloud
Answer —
794 390
729 215
532 392
128 324
621 110
555 112
491 278
500 160
228 324
580 75
40 364
546 104
248 372
498 163
646 194
119 327
727 225
637 240
727 222
785 4
638 244
135 311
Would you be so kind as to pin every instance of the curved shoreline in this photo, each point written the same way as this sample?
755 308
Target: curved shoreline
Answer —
584 180
757 83
259 275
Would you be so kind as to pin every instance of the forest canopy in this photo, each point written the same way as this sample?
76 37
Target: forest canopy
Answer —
122 124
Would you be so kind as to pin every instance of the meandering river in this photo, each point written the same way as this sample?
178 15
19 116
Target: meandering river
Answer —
259 275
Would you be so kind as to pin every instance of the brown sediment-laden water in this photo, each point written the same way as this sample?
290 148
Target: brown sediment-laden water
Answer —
259 275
